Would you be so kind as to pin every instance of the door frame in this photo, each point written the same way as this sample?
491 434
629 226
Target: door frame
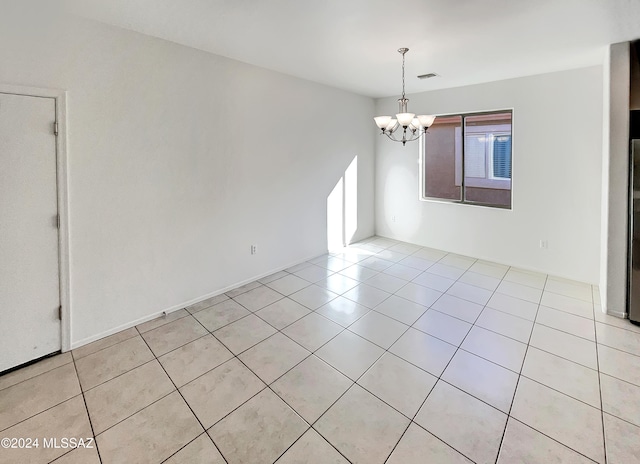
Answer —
60 98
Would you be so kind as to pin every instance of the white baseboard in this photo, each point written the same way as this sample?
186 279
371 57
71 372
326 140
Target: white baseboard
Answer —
620 314
106 333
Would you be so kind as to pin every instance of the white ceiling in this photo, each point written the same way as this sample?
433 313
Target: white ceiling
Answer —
351 44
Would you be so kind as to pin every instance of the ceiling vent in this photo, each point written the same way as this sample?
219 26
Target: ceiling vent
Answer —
427 76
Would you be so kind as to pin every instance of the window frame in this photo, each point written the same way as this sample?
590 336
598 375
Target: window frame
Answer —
459 156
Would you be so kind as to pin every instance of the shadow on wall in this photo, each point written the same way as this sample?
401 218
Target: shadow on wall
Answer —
342 209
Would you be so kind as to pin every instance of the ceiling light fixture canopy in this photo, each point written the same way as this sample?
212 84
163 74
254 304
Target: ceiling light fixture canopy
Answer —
412 126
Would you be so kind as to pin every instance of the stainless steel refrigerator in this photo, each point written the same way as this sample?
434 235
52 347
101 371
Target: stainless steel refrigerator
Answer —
634 234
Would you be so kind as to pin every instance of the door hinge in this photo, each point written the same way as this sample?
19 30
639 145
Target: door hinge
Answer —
55 128
60 312
58 221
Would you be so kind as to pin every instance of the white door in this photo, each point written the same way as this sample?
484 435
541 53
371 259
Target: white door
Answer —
29 281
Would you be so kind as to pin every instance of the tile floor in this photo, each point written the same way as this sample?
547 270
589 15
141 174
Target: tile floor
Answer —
386 352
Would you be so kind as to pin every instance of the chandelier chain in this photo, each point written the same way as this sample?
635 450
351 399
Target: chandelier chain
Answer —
403 76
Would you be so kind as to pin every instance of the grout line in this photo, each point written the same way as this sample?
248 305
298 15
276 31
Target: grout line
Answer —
604 436
84 400
183 399
515 391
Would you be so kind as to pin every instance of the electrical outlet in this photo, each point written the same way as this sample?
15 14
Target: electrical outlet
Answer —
254 249
393 219
543 244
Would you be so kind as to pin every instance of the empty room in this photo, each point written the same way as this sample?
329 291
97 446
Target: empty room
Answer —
286 231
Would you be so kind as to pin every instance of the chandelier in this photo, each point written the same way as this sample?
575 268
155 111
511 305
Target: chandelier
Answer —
412 126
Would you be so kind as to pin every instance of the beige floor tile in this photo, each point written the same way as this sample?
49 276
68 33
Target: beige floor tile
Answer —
311 448
218 392
173 335
313 297
623 340
221 314
28 372
402 272
311 387
569 288
623 446
567 322
258 298
366 295
66 420
80 456
480 280
313 273
162 320
426 352
199 451
105 342
282 313
615 321
567 304
418 294
194 359
243 289
470 293
361 427
434 281
313 331
505 324
514 306
259 431
567 377
360 273
244 333
119 398
350 354
496 348
151 435
272 277
337 283
401 310
524 444
343 311
619 364
459 261
417 446
465 423
378 328
391 255
442 326
194 308
28 398
620 398
386 282
457 307
288 284
483 379
430 254
375 263
569 421
528 278
523 292
565 345
450 272
398 383
113 361
273 357
494 270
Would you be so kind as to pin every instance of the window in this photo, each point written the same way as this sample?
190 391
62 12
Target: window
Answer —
478 145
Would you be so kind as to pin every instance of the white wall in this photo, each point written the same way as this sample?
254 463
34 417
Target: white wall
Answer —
557 156
179 160
615 181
